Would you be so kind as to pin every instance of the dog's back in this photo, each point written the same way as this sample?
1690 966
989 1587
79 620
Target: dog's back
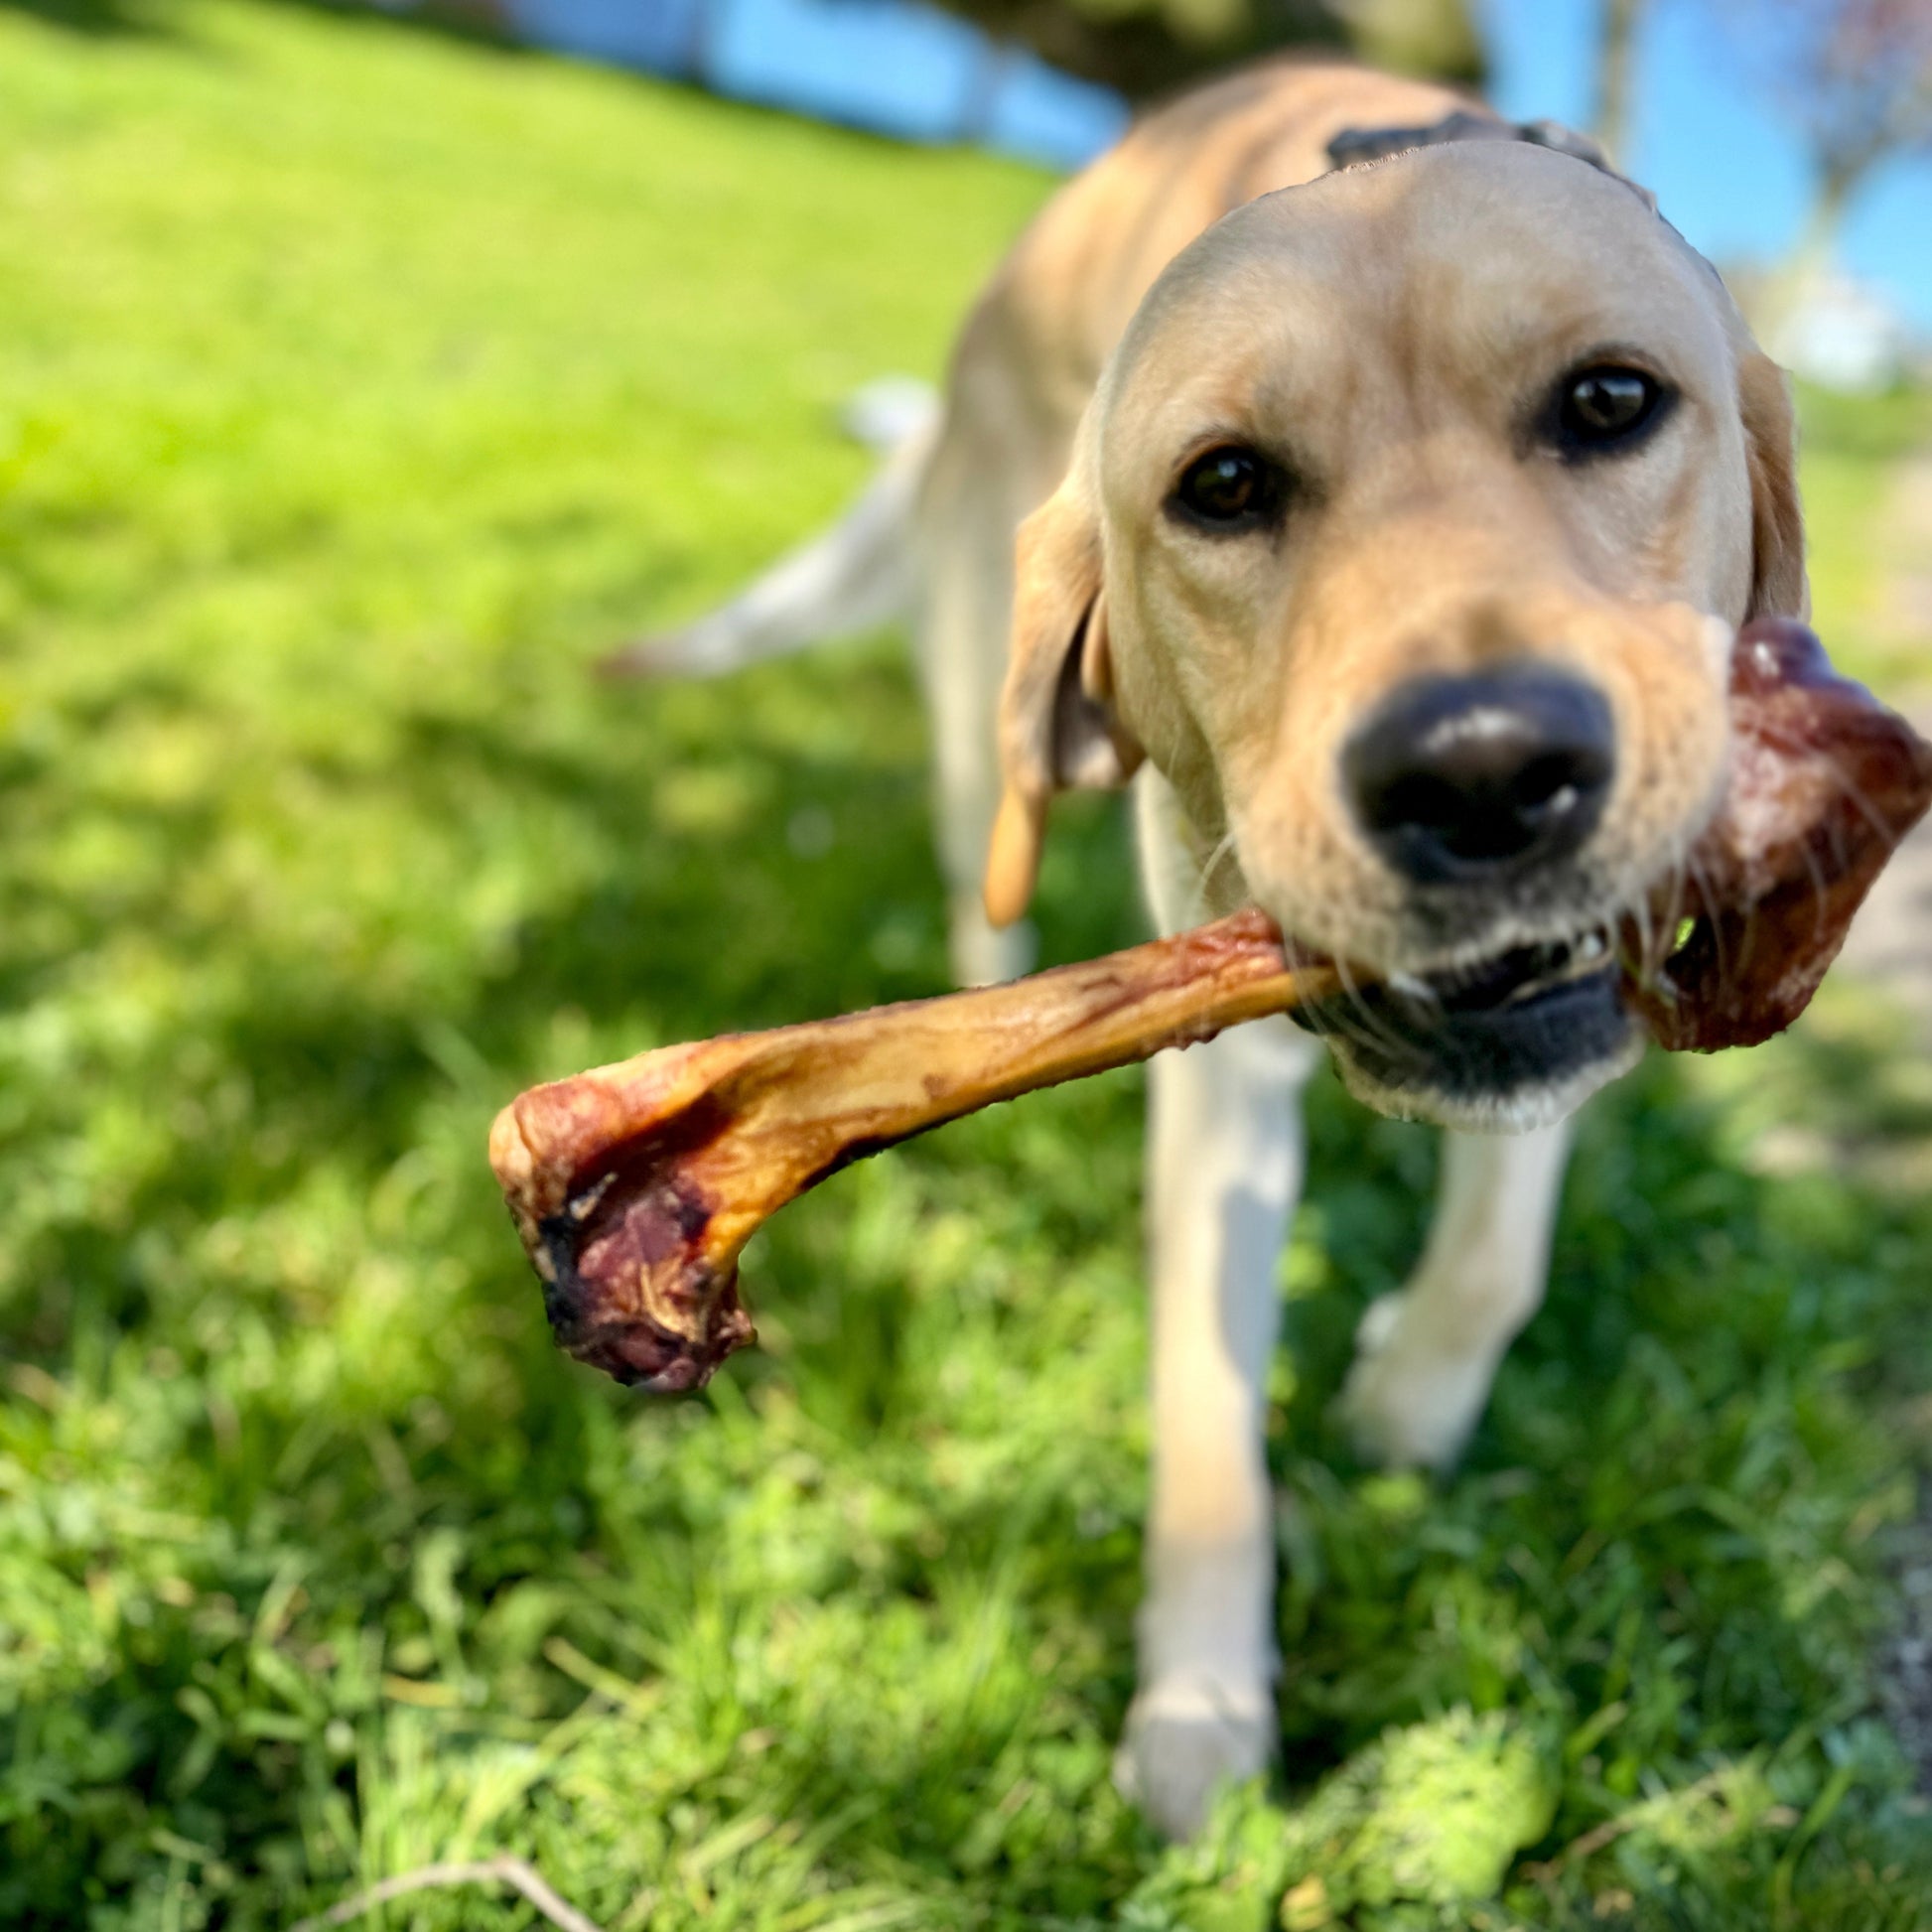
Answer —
938 531
931 542
1058 303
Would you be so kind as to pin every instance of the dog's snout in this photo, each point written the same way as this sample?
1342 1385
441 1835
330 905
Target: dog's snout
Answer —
1457 778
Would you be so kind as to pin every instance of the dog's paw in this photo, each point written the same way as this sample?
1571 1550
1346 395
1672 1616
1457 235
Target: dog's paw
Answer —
1186 1739
1407 1404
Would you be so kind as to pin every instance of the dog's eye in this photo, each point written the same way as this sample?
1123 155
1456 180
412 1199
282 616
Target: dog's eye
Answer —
1600 408
1230 489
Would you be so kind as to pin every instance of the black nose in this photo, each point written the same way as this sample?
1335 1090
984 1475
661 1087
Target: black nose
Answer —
1458 779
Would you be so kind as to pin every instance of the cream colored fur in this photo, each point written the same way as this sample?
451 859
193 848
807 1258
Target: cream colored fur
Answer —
1212 278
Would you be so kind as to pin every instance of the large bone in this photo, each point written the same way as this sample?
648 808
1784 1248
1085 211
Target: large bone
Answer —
637 1186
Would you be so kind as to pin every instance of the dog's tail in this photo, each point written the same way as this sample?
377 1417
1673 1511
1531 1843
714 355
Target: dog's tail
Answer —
853 577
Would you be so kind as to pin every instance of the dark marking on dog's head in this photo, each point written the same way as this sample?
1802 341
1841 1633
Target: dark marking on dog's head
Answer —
1358 147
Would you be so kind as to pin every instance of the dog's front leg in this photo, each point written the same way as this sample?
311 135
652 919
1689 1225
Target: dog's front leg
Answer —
1224 1168
1428 1355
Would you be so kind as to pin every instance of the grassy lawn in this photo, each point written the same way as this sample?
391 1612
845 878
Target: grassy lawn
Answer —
356 386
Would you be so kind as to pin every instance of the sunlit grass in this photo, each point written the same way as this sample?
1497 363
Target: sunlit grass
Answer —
358 385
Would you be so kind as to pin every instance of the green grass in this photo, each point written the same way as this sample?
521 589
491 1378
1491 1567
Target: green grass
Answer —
358 385
1850 447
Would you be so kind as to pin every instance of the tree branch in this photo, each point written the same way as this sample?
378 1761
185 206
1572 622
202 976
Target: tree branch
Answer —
517 1872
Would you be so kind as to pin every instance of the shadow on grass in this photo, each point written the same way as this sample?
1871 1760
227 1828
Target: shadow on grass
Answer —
96 19
1647 1418
155 19
298 1074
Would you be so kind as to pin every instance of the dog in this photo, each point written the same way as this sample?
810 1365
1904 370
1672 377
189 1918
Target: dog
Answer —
1389 483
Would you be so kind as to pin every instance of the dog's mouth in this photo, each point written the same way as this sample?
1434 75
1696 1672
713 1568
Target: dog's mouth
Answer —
1483 1038
1823 784
1521 974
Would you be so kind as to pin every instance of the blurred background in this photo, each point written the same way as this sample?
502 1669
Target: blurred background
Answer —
1789 137
364 375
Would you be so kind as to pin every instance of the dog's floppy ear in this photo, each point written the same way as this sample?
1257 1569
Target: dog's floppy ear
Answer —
1778 585
1057 729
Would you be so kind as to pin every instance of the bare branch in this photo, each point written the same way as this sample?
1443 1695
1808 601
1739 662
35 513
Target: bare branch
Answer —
515 1872
1853 76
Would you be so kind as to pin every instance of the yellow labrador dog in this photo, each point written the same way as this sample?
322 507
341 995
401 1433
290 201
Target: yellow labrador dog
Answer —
1389 483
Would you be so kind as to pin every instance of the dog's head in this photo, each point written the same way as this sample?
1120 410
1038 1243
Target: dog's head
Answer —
1407 535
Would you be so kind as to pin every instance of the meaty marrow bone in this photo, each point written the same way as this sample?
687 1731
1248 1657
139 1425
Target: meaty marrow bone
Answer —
1824 782
637 1186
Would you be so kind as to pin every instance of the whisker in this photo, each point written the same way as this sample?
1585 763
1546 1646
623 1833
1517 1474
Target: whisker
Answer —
1646 933
1329 1020
1626 914
1378 1032
1222 852
1680 883
1686 877
1709 898
1819 887
1325 1024
1658 937
1852 791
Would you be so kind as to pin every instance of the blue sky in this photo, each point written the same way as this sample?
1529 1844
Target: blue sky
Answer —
1729 175
1725 170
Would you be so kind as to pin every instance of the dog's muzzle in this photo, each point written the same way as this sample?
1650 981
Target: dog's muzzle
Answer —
1479 792
1484 1041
